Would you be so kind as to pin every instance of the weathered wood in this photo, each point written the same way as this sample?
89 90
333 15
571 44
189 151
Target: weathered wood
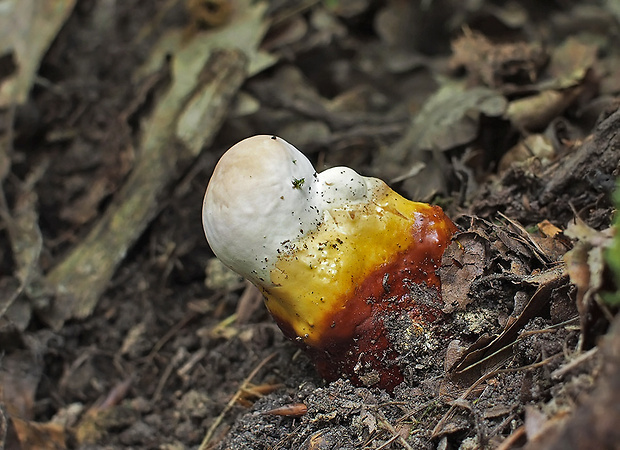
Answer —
169 146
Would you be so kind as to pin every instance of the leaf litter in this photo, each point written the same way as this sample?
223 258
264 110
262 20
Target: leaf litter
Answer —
509 121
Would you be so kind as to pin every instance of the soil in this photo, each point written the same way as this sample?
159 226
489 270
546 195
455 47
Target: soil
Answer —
504 113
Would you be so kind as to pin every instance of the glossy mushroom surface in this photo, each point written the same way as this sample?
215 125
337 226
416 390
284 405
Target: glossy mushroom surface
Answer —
336 255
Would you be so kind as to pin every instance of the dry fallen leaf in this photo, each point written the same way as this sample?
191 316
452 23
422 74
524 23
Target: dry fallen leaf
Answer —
463 261
536 112
19 379
43 436
28 27
497 64
533 146
570 63
548 229
585 264
209 13
453 107
458 109
485 355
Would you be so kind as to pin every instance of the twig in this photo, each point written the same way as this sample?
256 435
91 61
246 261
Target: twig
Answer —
180 355
559 373
395 434
233 400
511 440
388 442
470 389
189 365
171 332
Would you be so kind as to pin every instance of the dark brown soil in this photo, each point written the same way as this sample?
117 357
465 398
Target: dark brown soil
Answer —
505 114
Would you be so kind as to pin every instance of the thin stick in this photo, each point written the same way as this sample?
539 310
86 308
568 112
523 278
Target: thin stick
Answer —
170 334
233 400
395 434
559 373
511 440
479 381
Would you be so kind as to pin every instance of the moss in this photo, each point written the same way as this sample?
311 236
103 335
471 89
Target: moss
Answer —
612 253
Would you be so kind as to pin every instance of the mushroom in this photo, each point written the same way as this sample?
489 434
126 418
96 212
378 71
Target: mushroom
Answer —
336 255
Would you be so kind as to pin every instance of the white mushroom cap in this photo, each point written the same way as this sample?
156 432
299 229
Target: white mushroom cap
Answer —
340 186
263 196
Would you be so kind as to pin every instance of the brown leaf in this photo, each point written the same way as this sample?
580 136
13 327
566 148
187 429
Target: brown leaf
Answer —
250 301
19 379
463 261
292 410
533 146
86 207
97 423
570 63
536 112
44 436
585 266
548 229
497 64
479 358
